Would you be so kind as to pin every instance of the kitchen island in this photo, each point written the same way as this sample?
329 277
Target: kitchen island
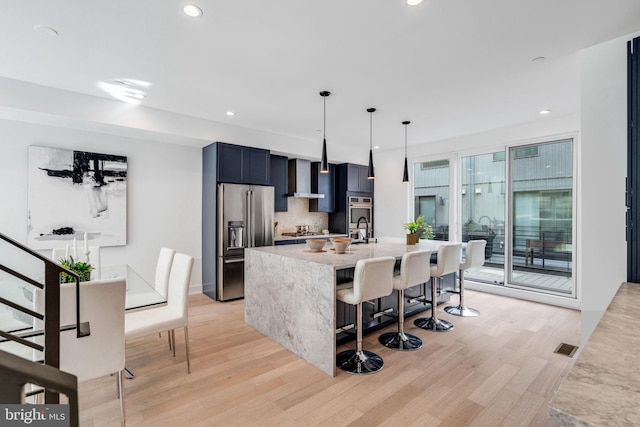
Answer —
290 294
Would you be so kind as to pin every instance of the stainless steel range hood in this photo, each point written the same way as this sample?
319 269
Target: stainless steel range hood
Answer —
300 179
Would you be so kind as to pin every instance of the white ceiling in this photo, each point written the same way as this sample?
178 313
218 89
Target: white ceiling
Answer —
452 67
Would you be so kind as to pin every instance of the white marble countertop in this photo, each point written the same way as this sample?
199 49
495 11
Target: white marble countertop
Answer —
352 255
603 386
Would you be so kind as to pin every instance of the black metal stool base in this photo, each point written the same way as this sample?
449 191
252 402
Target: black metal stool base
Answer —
359 362
461 310
432 324
399 341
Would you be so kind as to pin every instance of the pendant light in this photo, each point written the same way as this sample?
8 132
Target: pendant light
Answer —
405 175
324 163
371 175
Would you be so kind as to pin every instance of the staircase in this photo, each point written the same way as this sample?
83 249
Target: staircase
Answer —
15 371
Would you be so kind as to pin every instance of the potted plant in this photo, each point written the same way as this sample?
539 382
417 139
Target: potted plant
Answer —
417 228
83 269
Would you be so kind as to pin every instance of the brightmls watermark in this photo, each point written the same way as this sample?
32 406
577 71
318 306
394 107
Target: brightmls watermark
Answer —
34 415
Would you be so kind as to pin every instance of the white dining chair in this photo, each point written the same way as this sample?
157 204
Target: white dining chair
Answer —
163 268
102 304
161 282
174 315
58 254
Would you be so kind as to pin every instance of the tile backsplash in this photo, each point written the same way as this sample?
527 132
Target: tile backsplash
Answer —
298 214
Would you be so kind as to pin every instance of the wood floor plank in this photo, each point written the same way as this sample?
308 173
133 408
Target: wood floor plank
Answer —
496 369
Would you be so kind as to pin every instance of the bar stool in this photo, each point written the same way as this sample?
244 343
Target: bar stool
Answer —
414 270
474 257
448 262
373 278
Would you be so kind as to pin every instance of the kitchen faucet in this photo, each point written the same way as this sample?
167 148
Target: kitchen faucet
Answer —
366 223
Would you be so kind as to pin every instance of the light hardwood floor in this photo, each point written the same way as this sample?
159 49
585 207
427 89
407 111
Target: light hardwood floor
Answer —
498 369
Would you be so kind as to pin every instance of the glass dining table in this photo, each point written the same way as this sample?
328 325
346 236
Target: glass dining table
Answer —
140 295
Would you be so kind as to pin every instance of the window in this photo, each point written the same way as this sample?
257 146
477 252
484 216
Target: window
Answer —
431 193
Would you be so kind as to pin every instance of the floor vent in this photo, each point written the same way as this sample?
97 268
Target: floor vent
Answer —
566 349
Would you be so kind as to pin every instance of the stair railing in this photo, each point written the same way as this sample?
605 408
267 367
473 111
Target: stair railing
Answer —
51 315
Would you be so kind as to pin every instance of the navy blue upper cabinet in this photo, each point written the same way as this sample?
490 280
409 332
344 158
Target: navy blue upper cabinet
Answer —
358 179
280 182
323 183
243 165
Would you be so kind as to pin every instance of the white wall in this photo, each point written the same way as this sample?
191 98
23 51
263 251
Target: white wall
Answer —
601 220
164 191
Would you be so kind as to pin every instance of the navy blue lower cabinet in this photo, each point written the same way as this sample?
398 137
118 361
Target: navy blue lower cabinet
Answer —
288 242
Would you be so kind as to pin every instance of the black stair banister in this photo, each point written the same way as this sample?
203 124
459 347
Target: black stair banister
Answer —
15 372
51 287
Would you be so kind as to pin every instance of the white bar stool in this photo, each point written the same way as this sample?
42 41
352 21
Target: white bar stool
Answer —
448 262
414 270
373 278
474 257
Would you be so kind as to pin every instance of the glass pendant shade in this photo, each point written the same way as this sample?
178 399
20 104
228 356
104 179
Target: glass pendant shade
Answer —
405 174
371 175
324 163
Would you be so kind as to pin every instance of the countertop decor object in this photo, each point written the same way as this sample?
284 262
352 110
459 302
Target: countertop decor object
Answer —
417 228
316 245
341 244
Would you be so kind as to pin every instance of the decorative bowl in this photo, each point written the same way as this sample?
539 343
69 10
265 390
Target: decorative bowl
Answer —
316 245
340 244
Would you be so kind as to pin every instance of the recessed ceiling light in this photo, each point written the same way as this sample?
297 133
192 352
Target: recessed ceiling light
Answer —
230 113
376 147
192 10
545 111
44 30
413 2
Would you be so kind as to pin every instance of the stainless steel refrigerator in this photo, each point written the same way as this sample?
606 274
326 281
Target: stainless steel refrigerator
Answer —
245 220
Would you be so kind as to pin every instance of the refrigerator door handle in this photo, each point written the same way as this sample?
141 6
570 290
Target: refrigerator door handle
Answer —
233 261
251 240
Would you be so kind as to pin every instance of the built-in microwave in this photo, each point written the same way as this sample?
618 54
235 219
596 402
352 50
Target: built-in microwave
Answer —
360 208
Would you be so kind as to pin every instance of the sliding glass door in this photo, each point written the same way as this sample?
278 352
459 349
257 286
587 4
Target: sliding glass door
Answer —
541 194
520 199
482 211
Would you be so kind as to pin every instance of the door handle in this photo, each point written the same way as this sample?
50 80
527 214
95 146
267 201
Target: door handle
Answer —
233 261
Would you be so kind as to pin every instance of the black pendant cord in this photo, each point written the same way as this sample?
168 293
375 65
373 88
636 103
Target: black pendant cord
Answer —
405 174
371 175
324 167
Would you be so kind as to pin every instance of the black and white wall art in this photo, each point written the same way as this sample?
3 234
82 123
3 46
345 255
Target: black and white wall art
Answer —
76 192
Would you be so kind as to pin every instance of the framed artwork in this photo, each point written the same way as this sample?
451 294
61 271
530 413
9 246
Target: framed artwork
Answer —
76 192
